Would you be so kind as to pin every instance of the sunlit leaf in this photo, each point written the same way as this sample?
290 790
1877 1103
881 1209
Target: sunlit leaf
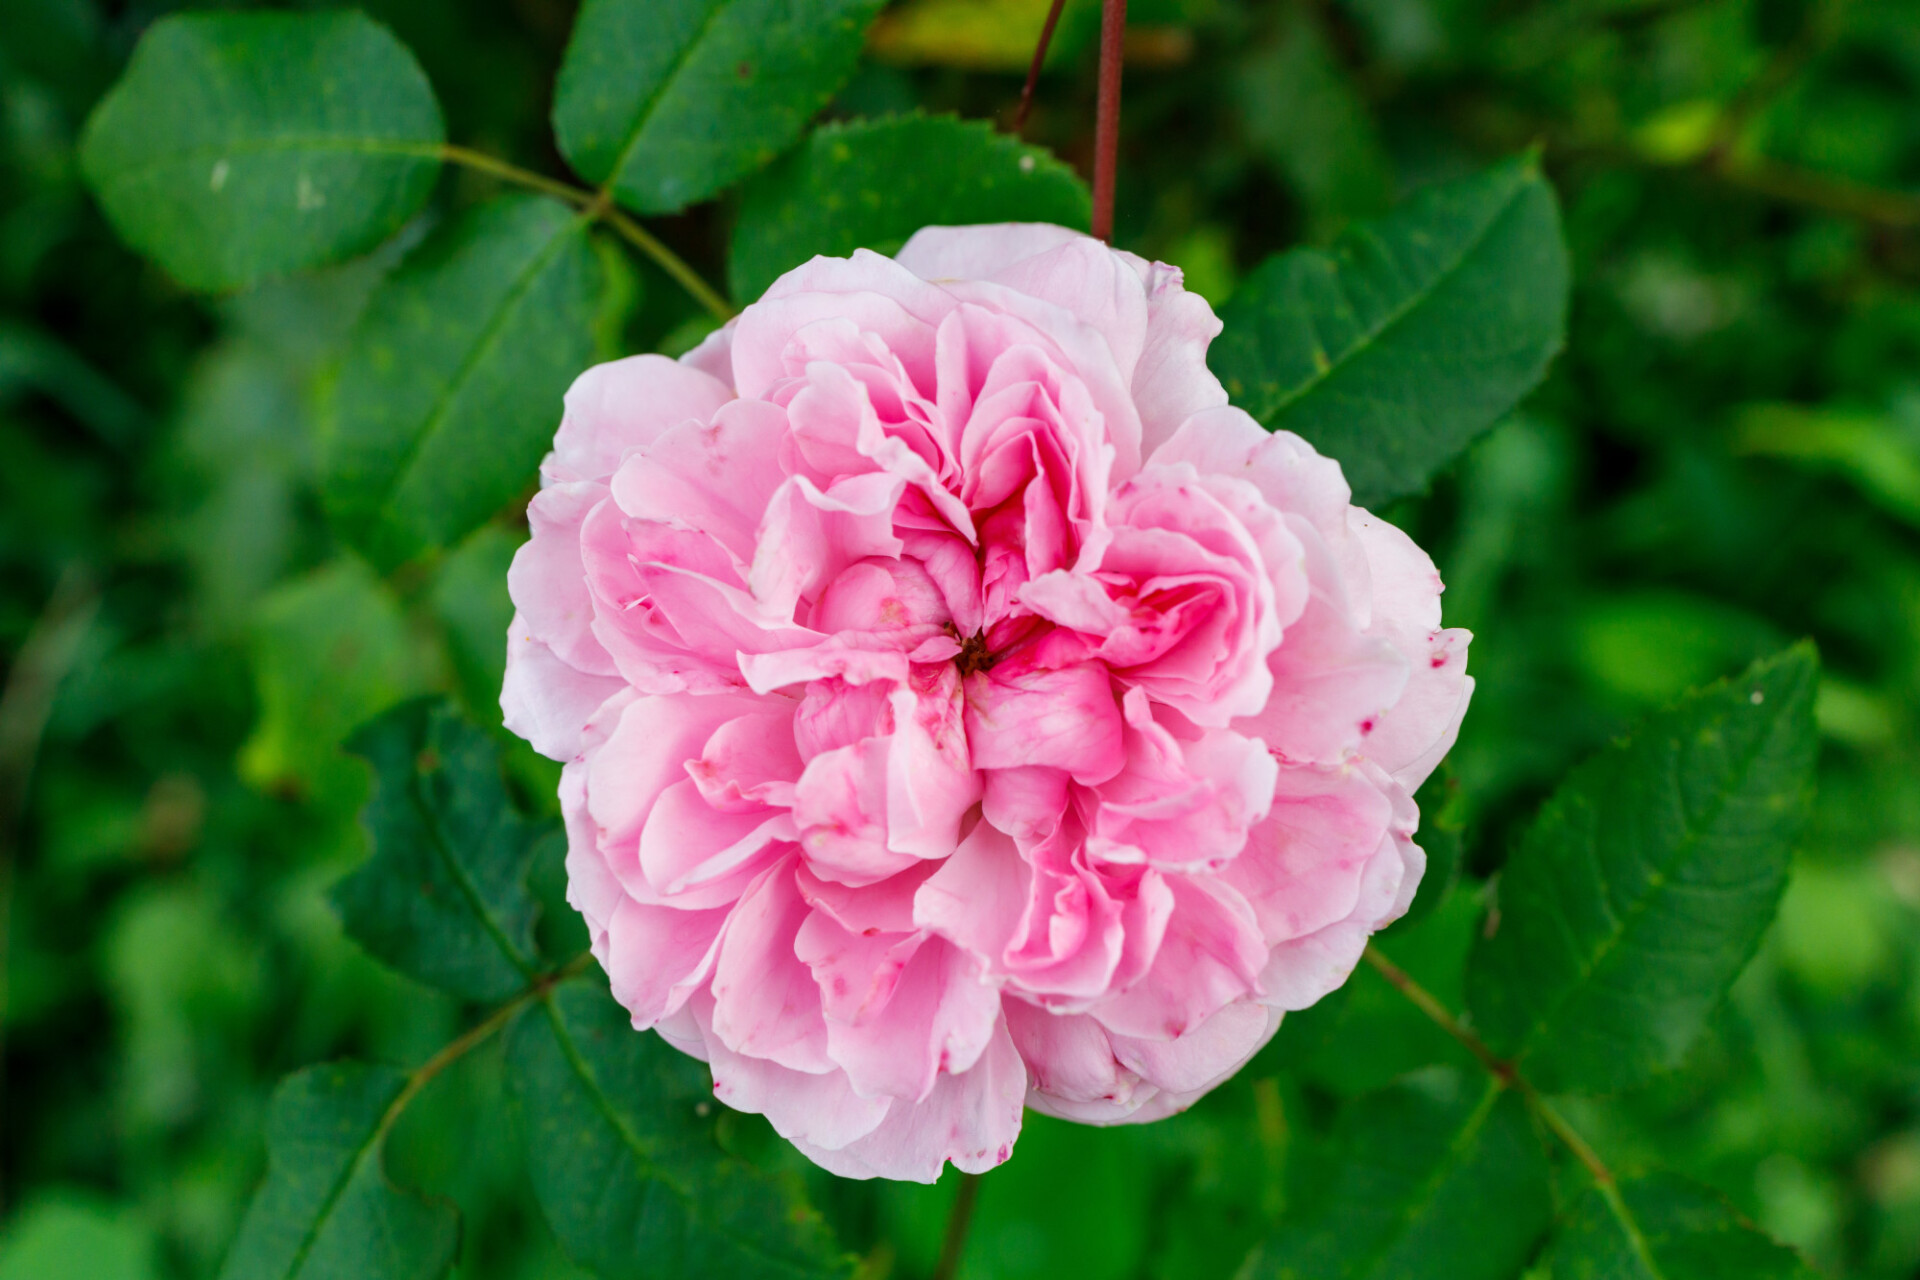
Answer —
1439 1176
672 101
1664 1227
1641 890
1413 334
242 145
621 1150
450 389
443 897
327 1210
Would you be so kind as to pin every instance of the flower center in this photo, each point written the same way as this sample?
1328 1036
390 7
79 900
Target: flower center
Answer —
974 655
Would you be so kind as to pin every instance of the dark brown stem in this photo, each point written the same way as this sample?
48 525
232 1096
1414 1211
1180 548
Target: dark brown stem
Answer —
1033 71
1106 126
958 1220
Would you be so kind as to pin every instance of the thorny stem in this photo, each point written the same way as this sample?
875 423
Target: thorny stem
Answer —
1506 1072
1033 70
43 661
473 1037
1106 124
599 205
958 1220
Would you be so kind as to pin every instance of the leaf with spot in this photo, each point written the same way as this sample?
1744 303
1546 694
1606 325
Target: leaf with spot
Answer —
872 183
449 391
1641 890
443 898
326 1210
621 1150
1440 1175
669 102
1397 347
245 145
1663 1227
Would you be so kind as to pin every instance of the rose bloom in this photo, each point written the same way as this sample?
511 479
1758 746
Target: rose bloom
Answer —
963 708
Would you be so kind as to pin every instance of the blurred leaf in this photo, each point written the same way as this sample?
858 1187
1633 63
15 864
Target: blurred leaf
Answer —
1643 887
1072 1201
621 1151
1671 1229
30 358
672 101
450 389
981 35
70 1238
1652 646
329 650
1441 837
1413 334
469 596
1870 450
873 183
1432 1178
326 1210
1302 114
443 898
242 145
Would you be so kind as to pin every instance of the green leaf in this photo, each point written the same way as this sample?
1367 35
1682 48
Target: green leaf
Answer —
326 1210
469 599
1433 1179
621 1150
1663 1227
1641 890
672 101
64 1237
1442 839
444 896
243 145
329 650
450 388
872 183
1413 334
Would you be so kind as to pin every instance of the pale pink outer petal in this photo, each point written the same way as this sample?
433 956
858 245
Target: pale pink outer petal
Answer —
547 579
1171 381
1303 969
714 355
977 252
546 701
622 404
1411 738
970 1119
658 956
813 1109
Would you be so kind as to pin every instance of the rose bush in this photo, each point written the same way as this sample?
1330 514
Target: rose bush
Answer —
965 709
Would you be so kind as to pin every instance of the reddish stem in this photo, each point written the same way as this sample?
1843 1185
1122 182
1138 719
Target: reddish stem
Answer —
1106 128
1033 71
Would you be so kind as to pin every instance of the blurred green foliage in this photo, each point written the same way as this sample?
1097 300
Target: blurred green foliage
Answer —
1725 457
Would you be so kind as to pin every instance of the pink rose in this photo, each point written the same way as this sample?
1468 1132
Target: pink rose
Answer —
963 708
